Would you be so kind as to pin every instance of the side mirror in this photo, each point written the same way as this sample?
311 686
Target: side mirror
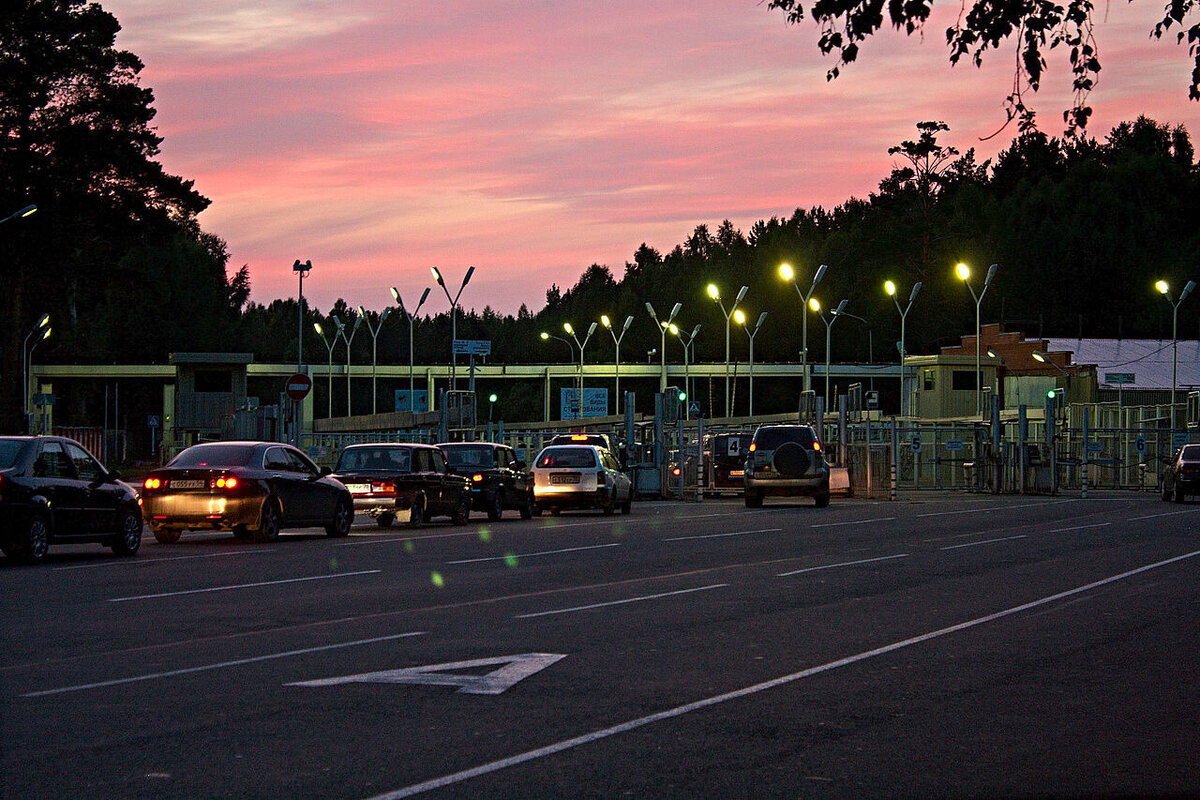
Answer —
113 476
325 471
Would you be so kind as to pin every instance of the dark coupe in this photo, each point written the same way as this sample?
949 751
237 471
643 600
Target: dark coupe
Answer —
498 480
406 482
254 489
53 491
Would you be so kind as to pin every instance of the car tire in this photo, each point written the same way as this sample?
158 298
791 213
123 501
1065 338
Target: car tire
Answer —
416 513
627 506
241 532
129 534
555 511
496 507
1166 493
527 507
463 512
385 519
269 524
608 506
343 518
754 499
537 510
167 535
822 500
1178 494
35 539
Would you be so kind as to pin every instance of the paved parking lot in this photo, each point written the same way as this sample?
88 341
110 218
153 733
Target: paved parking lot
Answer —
945 645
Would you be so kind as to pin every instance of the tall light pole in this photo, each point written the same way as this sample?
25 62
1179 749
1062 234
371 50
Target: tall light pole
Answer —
686 339
740 319
545 337
890 288
411 317
374 331
33 347
715 294
437 276
964 274
788 274
815 305
662 378
606 322
329 343
571 332
349 340
21 214
301 270
1165 290
42 331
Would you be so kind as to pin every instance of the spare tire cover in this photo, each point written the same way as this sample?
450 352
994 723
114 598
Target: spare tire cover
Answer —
790 460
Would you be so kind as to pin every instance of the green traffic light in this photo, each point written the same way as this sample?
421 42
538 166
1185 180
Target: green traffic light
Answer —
1050 395
682 396
491 398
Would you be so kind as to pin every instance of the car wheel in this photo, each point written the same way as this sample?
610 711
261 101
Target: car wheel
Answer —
269 525
241 532
537 510
753 499
608 506
129 536
35 539
496 509
822 500
527 507
1166 493
1178 494
385 519
463 512
627 506
167 535
555 511
343 518
416 516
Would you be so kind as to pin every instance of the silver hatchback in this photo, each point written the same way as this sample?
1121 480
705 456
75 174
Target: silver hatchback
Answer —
580 476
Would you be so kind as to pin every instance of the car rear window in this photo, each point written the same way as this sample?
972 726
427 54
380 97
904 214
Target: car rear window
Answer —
1191 452
772 438
392 459
469 456
577 457
215 455
10 451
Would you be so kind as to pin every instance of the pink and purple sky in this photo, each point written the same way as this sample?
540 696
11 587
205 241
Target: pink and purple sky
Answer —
534 138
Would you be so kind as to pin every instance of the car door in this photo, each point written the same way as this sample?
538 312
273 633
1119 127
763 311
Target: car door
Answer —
448 498
102 497
286 483
55 478
318 496
426 479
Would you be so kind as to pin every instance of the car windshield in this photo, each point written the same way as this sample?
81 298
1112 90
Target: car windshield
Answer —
1191 452
215 455
391 459
579 457
10 451
772 438
468 456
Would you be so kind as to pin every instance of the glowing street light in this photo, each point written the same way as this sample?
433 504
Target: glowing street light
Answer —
715 294
1165 291
788 274
28 210
815 305
607 323
662 378
411 318
570 346
571 332
740 319
374 331
348 339
42 332
329 343
964 275
685 339
437 276
890 288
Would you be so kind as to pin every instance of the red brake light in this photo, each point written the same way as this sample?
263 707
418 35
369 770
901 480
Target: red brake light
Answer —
152 483
227 482
675 471
383 487
753 447
476 478
816 445
578 438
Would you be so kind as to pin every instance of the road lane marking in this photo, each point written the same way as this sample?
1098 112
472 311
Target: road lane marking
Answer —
852 522
679 711
721 535
513 669
531 555
985 541
620 602
992 508
1164 514
207 667
1080 527
140 561
243 586
842 564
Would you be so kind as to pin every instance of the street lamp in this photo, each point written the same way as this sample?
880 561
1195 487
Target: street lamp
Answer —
607 323
374 331
411 317
815 305
301 270
545 337
964 274
437 276
43 328
715 294
21 214
686 339
788 274
740 319
662 379
890 288
349 340
571 332
1165 290
329 343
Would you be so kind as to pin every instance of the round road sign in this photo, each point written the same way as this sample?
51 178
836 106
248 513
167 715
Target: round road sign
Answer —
298 386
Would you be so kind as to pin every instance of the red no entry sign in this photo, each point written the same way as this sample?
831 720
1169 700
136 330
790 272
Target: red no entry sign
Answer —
298 386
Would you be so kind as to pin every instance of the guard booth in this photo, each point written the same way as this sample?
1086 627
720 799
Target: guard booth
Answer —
209 390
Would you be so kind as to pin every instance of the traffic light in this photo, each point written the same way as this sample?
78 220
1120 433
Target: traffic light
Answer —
1050 395
683 397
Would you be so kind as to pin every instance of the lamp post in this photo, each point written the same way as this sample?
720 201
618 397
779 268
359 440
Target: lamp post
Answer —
686 339
437 276
788 274
374 331
411 318
33 347
815 305
21 214
740 319
1165 290
349 340
662 378
545 337
607 323
571 332
992 354
301 270
43 328
964 274
890 288
329 343
715 294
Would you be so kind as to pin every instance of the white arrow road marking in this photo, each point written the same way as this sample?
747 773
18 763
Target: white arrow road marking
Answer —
516 668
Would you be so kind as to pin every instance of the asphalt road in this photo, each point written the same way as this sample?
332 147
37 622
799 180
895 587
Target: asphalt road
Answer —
948 645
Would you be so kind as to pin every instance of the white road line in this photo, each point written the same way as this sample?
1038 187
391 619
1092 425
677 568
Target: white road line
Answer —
206 667
679 711
137 562
531 555
721 535
620 602
851 522
985 541
843 564
1164 514
1080 527
991 508
244 586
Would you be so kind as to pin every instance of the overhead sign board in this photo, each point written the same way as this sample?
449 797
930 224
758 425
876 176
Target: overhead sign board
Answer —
1119 378
416 401
595 403
472 347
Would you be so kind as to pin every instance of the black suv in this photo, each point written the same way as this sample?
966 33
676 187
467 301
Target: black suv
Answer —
497 478
786 461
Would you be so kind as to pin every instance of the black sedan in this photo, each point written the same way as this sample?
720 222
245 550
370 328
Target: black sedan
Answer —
1182 475
254 489
53 491
498 479
405 482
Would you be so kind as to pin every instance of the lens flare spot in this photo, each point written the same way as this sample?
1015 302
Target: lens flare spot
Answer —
437 580
510 560
485 535
333 565
410 546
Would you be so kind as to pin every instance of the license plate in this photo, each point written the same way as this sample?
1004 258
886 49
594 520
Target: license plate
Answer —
736 473
561 479
359 488
189 484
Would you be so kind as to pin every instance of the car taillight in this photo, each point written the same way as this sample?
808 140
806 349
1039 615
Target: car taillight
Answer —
383 487
477 478
153 483
676 472
817 446
601 478
227 482
753 447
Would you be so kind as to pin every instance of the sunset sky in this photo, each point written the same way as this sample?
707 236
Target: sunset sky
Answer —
532 139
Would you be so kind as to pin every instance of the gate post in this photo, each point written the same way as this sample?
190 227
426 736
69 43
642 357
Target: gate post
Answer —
895 458
1084 466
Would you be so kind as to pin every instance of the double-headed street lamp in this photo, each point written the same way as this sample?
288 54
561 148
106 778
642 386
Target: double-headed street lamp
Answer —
663 326
42 332
437 276
412 403
964 274
740 319
715 294
788 274
374 331
348 340
329 343
571 332
686 339
1165 290
815 305
545 337
606 322
890 288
